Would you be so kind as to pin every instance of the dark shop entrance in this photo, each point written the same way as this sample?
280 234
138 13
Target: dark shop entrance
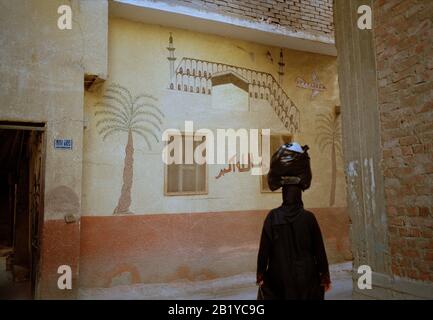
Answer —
21 207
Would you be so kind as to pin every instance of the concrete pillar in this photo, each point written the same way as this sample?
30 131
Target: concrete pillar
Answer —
365 139
361 140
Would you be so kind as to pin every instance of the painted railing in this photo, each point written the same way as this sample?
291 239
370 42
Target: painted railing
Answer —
194 76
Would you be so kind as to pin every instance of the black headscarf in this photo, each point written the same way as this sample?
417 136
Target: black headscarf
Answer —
289 167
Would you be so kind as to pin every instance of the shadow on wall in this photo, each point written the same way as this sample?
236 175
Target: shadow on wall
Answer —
61 201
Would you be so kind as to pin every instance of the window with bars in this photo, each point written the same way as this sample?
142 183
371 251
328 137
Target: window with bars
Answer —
276 140
186 179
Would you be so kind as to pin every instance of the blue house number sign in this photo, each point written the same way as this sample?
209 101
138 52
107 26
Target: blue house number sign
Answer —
63 144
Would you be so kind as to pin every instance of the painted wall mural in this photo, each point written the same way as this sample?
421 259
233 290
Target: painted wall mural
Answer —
281 65
192 85
216 83
121 112
316 86
195 76
269 56
329 140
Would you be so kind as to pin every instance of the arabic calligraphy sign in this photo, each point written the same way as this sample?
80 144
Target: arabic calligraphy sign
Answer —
234 165
315 85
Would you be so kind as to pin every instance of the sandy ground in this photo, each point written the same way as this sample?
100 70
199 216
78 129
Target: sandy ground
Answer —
239 287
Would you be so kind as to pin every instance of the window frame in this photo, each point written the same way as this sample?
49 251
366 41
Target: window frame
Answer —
185 193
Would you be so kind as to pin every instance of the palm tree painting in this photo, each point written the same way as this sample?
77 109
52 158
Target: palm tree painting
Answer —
329 140
121 113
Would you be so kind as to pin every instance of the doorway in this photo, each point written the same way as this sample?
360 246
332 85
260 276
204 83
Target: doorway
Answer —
21 207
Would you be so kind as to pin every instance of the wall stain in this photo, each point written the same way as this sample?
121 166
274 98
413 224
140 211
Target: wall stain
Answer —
61 201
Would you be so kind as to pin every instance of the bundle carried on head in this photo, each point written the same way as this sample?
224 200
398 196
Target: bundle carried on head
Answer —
290 164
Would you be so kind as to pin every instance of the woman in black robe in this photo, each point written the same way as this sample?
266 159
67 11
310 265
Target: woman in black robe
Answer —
292 262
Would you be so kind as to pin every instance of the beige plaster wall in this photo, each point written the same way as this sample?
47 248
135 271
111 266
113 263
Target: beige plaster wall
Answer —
42 70
138 61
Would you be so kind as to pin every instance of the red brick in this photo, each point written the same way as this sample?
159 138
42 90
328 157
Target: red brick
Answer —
412 211
428 256
427 234
405 141
409 232
396 221
413 273
424 211
407 150
297 16
417 148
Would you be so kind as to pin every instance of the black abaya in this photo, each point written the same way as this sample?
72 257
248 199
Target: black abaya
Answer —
292 260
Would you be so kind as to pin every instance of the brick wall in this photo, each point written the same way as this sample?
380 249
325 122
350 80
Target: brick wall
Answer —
403 39
314 16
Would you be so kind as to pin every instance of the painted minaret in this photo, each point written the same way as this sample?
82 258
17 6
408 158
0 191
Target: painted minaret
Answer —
171 58
281 68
